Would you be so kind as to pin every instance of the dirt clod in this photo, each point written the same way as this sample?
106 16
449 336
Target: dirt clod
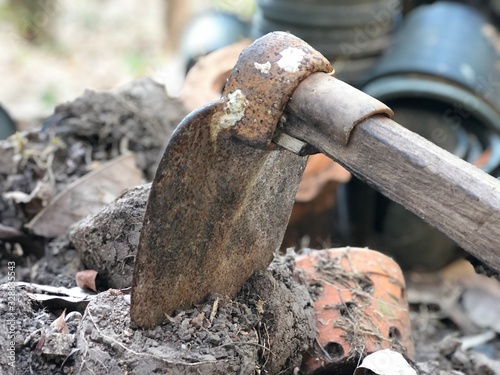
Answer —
107 242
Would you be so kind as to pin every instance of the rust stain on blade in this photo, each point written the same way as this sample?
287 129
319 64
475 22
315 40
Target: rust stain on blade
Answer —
211 220
267 73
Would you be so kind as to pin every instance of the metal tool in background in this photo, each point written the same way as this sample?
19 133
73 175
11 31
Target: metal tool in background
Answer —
223 192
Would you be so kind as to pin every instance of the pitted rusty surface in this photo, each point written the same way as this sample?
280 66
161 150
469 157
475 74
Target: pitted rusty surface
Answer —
218 208
216 213
261 84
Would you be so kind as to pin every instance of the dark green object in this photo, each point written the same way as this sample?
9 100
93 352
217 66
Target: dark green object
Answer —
340 13
442 54
7 125
350 33
438 79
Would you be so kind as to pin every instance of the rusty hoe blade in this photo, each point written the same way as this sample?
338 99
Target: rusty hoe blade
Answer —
223 193
224 189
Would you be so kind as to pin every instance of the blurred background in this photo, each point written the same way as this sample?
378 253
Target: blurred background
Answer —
51 51
435 63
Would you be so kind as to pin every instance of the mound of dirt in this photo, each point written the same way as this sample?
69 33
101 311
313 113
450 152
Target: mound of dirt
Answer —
80 136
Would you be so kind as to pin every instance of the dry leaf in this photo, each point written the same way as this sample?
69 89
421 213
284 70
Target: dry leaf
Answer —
60 324
34 202
86 279
215 307
40 343
86 196
385 362
260 306
56 298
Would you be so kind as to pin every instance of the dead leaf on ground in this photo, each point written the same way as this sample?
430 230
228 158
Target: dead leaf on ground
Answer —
37 200
86 279
60 324
87 196
385 362
55 298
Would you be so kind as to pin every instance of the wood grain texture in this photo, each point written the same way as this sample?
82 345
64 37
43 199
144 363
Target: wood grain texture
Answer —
450 194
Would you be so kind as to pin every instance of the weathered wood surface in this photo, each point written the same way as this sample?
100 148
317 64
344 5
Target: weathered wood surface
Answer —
448 193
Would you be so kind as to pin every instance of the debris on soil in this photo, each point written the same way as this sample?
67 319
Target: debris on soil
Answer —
360 304
189 343
265 329
448 358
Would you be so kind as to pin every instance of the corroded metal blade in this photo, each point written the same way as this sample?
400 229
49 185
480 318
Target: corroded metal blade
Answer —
223 194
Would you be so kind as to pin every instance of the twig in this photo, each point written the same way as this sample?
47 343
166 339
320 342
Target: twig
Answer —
112 339
234 343
325 353
214 310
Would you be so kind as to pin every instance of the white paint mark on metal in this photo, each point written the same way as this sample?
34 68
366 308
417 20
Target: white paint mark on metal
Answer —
263 68
234 110
291 59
